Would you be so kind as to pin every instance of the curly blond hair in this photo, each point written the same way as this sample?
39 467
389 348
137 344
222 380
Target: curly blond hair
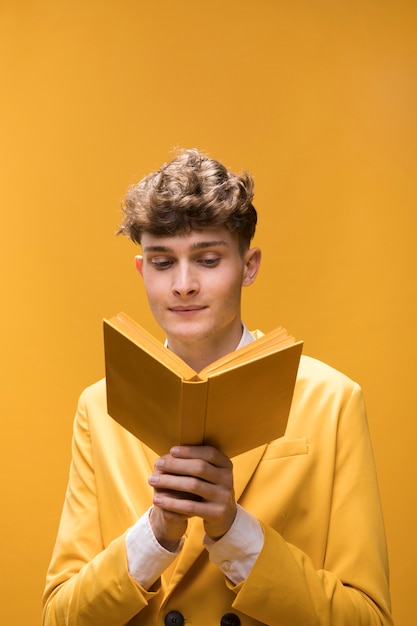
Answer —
191 192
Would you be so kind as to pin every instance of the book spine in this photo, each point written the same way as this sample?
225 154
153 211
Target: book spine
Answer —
193 412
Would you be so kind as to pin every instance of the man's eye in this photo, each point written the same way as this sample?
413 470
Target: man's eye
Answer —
161 264
210 261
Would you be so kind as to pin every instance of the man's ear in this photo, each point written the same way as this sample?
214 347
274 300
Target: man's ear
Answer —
252 261
139 263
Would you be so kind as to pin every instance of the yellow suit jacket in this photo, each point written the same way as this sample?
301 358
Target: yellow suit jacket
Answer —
315 492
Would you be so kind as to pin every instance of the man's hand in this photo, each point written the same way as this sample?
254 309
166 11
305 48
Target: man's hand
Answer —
192 481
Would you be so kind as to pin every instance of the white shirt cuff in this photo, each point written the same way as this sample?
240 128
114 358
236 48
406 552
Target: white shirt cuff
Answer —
146 558
236 552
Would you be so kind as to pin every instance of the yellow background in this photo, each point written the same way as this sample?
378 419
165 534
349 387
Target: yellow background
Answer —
316 98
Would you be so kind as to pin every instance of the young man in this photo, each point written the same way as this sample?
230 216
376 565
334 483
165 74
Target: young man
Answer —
290 532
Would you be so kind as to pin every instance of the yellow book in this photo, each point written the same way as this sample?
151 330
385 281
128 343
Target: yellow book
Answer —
237 403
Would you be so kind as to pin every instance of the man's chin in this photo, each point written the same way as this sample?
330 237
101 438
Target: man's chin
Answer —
186 333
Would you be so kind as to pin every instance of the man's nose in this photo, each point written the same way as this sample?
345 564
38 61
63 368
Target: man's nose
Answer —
185 281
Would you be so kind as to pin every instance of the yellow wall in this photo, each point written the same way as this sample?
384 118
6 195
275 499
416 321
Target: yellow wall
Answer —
318 99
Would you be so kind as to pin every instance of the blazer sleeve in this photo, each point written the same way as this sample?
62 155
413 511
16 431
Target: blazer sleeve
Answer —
88 582
285 587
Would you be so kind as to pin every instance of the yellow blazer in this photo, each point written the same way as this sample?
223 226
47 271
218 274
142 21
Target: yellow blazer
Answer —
315 491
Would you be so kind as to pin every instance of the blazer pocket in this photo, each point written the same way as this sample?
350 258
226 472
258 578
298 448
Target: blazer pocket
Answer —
281 448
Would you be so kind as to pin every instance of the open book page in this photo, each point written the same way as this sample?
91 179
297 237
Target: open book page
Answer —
271 342
144 340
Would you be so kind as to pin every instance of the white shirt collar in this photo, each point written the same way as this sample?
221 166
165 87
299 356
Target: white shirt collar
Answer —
246 338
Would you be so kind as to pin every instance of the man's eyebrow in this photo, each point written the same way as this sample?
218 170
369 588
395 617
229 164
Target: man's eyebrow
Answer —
209 244
199 245
156 249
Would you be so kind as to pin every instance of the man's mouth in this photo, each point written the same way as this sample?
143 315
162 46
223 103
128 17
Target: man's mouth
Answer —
190 308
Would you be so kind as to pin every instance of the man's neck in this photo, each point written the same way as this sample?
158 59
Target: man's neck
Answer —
199 355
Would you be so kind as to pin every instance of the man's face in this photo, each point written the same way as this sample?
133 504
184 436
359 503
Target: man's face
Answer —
193 283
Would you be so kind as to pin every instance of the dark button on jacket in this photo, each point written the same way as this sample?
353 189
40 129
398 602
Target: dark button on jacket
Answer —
174 618
230 619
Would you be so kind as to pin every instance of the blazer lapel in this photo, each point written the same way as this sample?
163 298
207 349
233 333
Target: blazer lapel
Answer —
244 466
